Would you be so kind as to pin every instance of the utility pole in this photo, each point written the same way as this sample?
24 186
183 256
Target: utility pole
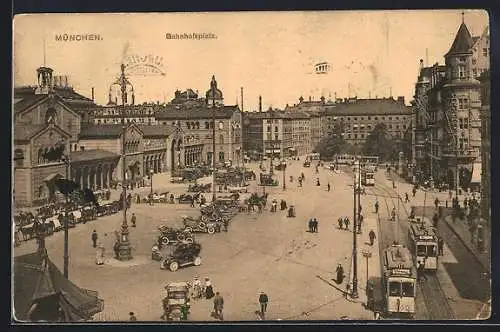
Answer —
356 187
66 221
214 196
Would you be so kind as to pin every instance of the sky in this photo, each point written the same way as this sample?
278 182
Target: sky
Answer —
371 53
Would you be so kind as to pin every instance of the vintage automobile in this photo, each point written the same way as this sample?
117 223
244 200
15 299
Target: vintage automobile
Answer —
176 179
169 235
200 226
238 189
267 180
185 199
183 254
204 188
176 303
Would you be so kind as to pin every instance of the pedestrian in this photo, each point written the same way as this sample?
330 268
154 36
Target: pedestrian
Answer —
132 317
218 306
414 191
311 225
407 199
94 238
197 287
465 202
435 220
225 223
116 248
317 182
328 186
450 193
421 271
372 237
436 202
133 220
393 185
393 214
315 225
99 258
440 246
346 222
209 290
341 222
263 300
340 274
376 207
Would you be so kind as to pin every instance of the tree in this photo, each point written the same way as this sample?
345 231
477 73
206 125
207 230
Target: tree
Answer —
379 144
333 144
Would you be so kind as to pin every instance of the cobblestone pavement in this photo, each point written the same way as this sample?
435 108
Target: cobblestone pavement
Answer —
261 252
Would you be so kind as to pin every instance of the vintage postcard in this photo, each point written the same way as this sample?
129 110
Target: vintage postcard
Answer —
251 166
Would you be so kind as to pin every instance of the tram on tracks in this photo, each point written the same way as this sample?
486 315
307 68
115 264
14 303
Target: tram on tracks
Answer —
368 176
399 281
423 243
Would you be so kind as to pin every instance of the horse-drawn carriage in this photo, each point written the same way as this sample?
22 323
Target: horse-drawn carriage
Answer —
267 180
185 199
203 188
107 208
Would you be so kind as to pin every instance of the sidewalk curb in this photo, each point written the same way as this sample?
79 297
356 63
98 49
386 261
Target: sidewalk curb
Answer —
466 245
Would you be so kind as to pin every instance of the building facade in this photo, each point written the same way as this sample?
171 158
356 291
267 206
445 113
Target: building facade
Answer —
358 117
447 112
485 146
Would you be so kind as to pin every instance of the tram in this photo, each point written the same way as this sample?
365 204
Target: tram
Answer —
367 176
423 243
399 280
345 159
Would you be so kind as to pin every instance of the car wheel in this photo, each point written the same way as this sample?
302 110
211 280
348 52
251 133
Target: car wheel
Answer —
189 240
188 229
197 261
211 230
202 225
174 266
165 241
180 237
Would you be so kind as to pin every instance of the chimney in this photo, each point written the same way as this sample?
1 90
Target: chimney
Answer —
421 64
92 94
401 100
242 99
260 103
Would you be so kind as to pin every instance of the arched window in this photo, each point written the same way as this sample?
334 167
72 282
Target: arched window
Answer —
188 124
40 156
197 124
45 151
51 116
19 157
221 156
221 139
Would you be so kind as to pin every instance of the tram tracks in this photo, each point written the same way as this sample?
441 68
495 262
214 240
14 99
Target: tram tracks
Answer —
434 299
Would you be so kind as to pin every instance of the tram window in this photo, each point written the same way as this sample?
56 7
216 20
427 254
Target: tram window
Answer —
408 289
421 250
431 251
394 288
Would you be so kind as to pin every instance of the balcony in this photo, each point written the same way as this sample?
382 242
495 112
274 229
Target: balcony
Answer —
450 152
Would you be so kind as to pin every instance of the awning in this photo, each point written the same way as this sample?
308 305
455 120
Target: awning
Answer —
52 177
476 173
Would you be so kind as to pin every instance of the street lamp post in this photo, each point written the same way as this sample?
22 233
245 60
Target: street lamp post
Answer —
356 187
367 254
125 251
283 165
151 172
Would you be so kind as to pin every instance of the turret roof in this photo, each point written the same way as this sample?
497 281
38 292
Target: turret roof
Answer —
463 41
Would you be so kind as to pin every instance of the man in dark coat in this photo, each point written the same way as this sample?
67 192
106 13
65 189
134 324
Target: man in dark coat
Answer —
440 246
133 220
310 225
263 300
94 238
372 237
340 274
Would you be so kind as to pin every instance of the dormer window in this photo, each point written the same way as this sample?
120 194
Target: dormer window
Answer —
461 71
